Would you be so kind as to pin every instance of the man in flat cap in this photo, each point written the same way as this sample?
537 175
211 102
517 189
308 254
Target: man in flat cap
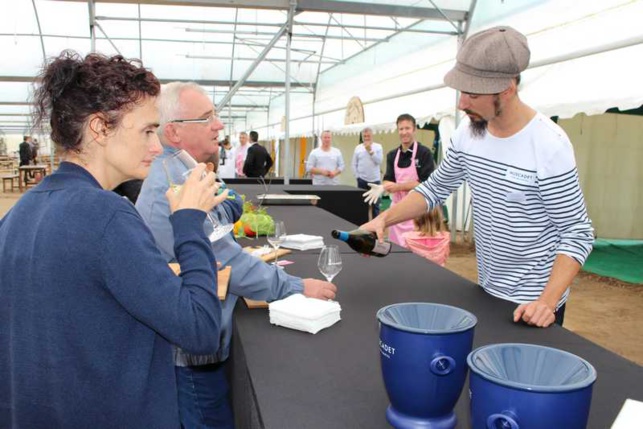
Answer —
531 226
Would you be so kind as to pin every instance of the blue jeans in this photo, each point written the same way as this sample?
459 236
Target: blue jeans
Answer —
363 184
203 397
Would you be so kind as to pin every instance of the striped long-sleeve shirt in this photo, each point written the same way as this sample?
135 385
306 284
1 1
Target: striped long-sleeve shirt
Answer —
527 205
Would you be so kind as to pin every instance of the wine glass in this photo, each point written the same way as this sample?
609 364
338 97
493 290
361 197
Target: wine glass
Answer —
178 167
330 262
276 237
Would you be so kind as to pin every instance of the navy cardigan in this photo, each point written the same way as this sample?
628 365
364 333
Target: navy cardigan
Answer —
89 309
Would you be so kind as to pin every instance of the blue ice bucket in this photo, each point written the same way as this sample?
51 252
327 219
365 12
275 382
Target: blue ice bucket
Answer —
423 351
526 386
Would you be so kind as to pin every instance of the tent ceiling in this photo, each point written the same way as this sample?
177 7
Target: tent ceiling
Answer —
211 42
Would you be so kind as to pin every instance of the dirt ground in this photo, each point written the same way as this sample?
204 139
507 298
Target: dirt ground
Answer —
601 309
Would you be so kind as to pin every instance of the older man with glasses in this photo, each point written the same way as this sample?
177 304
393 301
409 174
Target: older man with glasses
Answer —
188 121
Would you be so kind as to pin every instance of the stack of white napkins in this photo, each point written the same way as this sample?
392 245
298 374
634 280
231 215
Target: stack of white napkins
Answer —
631 413
304 314
303 242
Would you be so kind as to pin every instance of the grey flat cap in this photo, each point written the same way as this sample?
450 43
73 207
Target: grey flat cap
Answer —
488 60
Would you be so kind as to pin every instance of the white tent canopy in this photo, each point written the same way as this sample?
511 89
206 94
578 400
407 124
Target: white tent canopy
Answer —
390 54
583 60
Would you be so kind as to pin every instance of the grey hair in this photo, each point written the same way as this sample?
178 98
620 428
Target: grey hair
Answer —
367 129
168 101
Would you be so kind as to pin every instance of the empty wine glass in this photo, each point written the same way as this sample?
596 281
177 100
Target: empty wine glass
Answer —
276 237
178 167
330 262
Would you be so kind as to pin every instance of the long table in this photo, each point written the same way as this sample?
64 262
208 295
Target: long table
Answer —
343 201
274 180
313 221
289 379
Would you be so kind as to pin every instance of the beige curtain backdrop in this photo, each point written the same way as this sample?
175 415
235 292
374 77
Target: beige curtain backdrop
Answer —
609 155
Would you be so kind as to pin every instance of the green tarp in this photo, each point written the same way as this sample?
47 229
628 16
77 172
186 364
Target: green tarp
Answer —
620 259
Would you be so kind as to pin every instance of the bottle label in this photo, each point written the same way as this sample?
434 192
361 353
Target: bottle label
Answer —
382 248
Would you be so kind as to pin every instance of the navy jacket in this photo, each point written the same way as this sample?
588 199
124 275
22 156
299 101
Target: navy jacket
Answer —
89 309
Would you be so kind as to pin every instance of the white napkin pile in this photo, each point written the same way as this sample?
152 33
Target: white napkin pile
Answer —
303 313
631 413
303 242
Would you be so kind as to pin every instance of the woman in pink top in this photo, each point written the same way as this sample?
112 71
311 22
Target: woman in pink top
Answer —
431 237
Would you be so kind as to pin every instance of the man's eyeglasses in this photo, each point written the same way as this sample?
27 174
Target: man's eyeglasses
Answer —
207 120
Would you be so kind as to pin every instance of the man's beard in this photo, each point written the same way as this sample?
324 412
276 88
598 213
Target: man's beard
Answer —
479 128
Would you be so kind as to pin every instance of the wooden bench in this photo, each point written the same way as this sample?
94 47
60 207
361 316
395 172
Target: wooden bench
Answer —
8 178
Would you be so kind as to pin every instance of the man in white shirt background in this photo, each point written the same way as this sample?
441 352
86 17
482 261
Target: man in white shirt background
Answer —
325 163
366 162
241 153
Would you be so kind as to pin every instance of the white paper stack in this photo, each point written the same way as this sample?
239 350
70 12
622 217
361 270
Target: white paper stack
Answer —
630 416
304 314
303 242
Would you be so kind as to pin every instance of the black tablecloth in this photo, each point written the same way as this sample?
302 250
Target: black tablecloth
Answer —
344 201
289 379
312 221
274 180
307 219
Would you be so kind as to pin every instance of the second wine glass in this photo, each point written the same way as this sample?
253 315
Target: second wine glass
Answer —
330 262
276 237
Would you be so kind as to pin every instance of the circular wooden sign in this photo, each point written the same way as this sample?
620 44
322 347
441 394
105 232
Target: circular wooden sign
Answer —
354 112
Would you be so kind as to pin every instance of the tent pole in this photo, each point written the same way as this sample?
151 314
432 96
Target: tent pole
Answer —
287 160
92 23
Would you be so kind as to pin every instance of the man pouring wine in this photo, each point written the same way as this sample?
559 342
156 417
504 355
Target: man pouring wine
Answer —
531 226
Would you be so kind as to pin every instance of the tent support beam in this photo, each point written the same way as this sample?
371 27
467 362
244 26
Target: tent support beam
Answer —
287 160
263 24
42 42
350 7
92 23
252 67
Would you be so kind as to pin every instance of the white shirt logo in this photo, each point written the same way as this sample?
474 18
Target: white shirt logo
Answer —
520 176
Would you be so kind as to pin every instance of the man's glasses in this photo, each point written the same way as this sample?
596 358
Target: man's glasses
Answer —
207 120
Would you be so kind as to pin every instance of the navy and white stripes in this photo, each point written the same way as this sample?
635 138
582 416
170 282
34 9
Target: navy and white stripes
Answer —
527 205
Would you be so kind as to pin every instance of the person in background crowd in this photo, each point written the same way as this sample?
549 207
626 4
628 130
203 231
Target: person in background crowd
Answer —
365 164
189 122
241 152
89 307
25 151
325 163
430 239
531 227
226 159
258 161
34 151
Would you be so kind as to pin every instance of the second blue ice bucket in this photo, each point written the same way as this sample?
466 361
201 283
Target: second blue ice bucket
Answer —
527 386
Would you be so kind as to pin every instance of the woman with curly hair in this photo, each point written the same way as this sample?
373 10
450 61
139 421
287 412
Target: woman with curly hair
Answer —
88 306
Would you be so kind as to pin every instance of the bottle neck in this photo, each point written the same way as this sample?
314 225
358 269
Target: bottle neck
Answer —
343 235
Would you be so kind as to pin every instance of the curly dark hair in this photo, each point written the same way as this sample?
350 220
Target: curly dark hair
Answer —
71 88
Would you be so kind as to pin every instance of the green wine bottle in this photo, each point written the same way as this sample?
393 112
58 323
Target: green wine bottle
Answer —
363 242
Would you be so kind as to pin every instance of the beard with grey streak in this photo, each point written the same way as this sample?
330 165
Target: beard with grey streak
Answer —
478 128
